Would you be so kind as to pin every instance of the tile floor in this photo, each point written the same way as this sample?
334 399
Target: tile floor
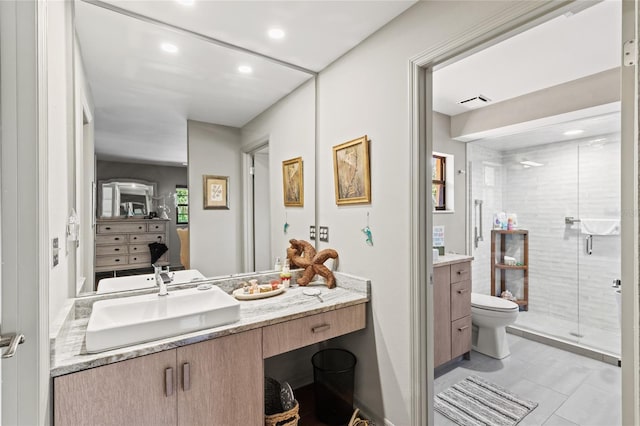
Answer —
570 389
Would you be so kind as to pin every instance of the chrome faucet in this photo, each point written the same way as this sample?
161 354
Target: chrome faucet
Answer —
160 281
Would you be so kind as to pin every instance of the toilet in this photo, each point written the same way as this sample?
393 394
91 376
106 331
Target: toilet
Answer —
491 315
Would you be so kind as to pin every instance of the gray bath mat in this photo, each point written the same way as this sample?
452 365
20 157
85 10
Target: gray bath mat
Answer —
475 401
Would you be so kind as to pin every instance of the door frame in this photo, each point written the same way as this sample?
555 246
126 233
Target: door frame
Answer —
512 20
247 189
24 214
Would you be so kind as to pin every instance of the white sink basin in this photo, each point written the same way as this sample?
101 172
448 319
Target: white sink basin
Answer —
134 282
130 320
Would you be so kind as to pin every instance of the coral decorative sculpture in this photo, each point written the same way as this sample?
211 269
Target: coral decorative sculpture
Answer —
303 255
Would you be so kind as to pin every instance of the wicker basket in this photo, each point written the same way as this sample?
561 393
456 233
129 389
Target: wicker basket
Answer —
274 414
286 418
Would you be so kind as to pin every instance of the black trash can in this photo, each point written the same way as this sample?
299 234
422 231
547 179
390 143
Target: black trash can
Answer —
333 377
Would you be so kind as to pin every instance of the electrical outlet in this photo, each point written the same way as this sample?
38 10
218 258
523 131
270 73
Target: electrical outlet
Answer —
55 250
312 232
324 234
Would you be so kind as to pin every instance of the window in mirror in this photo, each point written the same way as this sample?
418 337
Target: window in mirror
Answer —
182 205
439 182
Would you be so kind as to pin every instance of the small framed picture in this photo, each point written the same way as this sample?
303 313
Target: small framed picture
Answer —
351 172
216 192
293 183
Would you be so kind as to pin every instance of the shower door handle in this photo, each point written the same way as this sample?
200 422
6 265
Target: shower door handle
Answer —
478 236
589 245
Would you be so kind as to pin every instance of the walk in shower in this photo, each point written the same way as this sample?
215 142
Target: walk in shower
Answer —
563 183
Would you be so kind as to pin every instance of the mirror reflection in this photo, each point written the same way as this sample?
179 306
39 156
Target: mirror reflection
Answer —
160 119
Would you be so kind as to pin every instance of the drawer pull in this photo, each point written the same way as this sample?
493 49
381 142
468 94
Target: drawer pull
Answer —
135 238
139 227
116 249
117 260
186 376
168 381
459 272
135 249
463 290
107 228
463 328
321 328
117 238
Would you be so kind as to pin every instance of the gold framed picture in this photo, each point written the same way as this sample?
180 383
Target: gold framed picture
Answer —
351 172
216 192
293 183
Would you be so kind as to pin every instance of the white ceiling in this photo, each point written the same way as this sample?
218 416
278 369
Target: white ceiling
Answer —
560 50
143 95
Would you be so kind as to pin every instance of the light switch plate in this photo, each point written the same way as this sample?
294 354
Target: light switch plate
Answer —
312 232
324 234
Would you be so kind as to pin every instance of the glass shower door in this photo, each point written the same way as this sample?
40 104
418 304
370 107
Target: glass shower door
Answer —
599 243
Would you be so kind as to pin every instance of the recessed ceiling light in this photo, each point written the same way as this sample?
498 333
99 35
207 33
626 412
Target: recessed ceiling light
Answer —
276 33
186 2
169 48
527 163
573 132
245 69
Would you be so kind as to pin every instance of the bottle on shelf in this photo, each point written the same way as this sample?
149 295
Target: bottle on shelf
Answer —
285 274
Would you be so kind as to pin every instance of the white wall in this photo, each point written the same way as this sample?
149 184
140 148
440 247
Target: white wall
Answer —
289 126
366 92
60 155
216 240
453 222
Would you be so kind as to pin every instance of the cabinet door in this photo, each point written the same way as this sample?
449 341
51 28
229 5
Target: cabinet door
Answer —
441 314
132 392
221 381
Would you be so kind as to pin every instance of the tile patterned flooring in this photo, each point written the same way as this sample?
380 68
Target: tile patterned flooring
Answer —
570 389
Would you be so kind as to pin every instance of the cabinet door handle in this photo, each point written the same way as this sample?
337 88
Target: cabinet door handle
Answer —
463 328
463 290
186 376
168 381
321 328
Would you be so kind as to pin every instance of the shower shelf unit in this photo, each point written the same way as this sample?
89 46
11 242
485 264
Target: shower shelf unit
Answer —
519 236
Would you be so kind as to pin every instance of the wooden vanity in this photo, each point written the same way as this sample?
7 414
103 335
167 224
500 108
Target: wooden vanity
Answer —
452 308
218 381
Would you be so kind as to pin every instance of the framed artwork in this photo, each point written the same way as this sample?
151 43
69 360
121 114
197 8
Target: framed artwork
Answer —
216 192
351 172
292 181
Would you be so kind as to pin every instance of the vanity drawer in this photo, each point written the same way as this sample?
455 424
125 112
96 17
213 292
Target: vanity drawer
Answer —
460 272
460 336
460 299
294 334
113 260
139 258
111 249
111 239
146 238
155 227
119 228
138 248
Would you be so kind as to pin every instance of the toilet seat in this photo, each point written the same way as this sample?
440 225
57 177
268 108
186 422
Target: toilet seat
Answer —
491 303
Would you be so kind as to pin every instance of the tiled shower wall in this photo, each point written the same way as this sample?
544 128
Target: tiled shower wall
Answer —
576 179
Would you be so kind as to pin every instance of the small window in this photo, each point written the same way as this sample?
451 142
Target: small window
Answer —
439 182
182 205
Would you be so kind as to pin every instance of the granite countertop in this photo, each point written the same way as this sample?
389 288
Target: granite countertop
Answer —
451 258
68 354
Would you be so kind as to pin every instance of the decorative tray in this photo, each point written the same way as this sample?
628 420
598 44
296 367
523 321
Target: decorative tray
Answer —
241 295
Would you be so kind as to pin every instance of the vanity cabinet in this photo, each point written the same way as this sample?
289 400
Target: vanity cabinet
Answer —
124 243
452 311
217 382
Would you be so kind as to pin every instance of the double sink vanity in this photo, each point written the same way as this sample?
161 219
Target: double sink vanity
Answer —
195 356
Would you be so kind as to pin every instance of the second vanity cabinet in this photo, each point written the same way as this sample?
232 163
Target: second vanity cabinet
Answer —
452 311
190 385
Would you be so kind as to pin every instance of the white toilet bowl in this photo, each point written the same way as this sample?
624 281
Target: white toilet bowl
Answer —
491 315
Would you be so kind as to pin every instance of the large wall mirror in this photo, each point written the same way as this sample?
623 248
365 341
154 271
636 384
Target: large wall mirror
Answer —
164 106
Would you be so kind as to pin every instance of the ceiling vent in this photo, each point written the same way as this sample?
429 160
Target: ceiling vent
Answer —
475 102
